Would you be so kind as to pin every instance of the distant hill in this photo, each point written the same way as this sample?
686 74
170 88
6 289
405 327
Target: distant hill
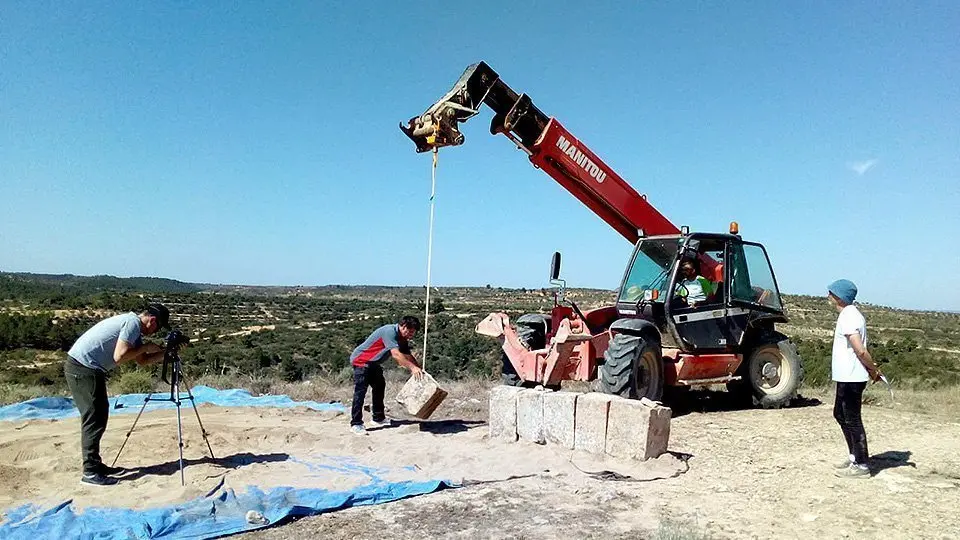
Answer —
27 285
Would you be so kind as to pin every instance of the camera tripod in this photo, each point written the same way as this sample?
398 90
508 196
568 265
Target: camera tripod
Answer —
171 358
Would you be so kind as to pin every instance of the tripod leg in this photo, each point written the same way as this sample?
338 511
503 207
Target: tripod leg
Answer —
135 420
179 434
203 431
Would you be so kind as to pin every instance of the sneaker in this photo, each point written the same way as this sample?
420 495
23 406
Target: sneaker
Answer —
843 464
358 430
853 471
112 471
386 422
97 479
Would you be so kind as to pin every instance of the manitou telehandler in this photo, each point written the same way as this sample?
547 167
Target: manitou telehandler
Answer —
657 335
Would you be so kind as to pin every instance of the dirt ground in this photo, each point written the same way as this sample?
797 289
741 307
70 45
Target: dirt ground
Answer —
730 474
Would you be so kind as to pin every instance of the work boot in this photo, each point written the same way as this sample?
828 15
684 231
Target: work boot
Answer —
97 479
853 471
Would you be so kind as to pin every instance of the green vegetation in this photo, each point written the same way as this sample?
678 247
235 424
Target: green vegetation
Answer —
263 334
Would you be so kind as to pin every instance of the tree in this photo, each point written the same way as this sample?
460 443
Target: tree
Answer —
290 370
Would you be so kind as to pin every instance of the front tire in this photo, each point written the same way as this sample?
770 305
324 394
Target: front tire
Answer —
773 375
632 368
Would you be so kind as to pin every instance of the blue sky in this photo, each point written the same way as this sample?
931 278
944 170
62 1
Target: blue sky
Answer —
258 144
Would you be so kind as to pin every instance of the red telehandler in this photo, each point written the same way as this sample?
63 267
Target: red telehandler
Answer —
665 329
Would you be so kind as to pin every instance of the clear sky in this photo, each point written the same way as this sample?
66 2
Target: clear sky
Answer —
245 142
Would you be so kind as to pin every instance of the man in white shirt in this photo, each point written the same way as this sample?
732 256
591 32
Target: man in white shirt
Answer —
852 367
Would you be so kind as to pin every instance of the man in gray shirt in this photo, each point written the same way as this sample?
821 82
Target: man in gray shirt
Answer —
112 341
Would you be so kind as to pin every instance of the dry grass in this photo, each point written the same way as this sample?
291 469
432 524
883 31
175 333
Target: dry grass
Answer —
942 402
15 393
468 395
465 396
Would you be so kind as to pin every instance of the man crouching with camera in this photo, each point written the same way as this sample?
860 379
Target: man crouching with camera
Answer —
110 342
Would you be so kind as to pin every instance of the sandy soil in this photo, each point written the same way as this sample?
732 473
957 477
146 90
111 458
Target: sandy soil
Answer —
731 474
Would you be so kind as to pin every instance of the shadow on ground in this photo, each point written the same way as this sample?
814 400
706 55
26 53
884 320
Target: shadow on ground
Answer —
707 401
891 459
234 461
440 427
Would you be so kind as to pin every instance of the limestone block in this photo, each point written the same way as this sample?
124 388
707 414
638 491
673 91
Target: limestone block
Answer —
422 397
637 429
559 414
503 412
530 415
590 428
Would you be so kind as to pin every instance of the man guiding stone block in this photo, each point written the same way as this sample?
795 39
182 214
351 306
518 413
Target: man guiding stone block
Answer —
367 360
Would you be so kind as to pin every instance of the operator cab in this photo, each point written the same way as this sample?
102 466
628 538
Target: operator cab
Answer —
702 290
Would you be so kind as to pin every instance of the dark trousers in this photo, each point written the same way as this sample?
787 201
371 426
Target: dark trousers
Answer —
370 375
89 389
846 409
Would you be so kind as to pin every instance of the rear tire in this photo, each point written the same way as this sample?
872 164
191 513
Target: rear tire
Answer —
773 374
632 368
532 337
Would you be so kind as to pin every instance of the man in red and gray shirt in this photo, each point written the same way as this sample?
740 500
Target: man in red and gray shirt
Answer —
367 359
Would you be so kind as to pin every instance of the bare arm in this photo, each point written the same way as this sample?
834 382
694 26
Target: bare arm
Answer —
407 361
864 356
144 354
152 354
125 352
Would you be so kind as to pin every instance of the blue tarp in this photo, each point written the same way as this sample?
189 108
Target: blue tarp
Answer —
60 407
220 513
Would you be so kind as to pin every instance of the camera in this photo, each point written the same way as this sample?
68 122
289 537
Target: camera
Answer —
175 339
171 357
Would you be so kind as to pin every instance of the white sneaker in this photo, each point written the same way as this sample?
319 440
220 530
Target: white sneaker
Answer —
843 464
853 471
358 430
385 423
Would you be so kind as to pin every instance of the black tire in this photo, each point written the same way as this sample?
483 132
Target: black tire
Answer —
532 336
773 374
632 368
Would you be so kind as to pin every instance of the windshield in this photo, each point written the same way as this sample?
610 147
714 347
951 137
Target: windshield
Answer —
650 269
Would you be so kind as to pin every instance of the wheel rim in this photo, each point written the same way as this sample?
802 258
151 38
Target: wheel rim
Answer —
771 373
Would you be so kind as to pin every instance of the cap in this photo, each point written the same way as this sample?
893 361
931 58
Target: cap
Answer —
161 313
844 289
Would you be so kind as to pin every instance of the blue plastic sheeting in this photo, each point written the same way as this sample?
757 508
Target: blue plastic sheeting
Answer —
60 407
220 513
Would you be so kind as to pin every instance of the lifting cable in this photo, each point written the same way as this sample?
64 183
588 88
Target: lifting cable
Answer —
426 309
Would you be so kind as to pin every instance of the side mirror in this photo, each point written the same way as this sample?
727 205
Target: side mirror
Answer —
555 266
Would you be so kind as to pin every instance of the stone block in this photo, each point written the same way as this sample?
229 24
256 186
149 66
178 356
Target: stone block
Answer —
503 412
530 415
421 398
637 429
559 418
590 427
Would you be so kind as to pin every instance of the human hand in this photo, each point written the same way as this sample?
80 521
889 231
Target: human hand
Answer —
152 348
417 372
874 373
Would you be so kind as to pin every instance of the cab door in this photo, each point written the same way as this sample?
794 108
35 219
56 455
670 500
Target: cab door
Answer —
704 327
752 287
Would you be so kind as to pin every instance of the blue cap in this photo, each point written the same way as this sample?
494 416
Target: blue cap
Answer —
844 289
